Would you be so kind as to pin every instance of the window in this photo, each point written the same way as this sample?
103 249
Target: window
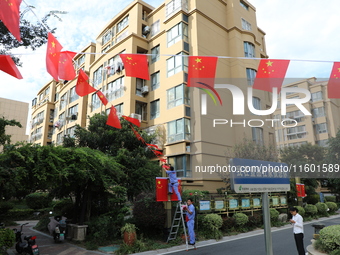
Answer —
63 101
155 54
318 112
95 103
34 102
177 64
257 103
245 25
249 50
176 5
251 74
321 128
178 130
81 60
60 138
177 33
114 65
47 91
107 37
119 108
244 5
70 131
139 85
73 113
115 89
73 95
178 95
297 115
181 164
322 143
155 28
98 76
155 81
121 25
317 96
154 109
141 109
257 134
296 132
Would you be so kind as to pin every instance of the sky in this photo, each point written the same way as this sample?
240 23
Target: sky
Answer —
304 31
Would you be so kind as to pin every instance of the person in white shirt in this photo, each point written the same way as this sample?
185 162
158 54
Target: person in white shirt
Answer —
297 222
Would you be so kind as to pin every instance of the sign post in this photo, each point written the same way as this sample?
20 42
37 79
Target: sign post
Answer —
255 176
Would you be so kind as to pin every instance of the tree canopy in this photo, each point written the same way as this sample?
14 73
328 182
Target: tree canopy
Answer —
6 139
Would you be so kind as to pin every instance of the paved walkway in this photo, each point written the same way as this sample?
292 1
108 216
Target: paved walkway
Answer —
48 247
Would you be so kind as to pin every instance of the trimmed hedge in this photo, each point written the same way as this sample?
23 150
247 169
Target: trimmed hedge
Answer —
322 208
212 224
240 219
332 206
311 210
38 200
301 210
274 215
330 238
330 199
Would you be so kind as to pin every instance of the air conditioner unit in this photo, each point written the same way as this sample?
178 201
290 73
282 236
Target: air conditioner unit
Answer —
73 116
145 89
146 30
136 116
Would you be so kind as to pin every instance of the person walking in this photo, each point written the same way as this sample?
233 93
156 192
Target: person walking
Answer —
173 184
297 222
191 221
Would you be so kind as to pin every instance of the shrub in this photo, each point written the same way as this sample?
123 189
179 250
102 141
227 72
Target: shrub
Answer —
312 199
20 214
5 207
254 221
311 210
149 215
322 208
229 224
64 207
7 239
330 199
38 200
301 210
336 252
330 238
274 215
212 224
240 219
332 206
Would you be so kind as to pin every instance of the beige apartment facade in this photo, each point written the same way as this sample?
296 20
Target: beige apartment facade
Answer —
170 33
315 129
15 110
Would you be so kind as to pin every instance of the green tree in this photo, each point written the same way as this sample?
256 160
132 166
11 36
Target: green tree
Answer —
305 154
6 139
333 158
33 35
126 149
83 173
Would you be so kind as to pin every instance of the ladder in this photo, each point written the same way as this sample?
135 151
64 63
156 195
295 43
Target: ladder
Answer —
176 223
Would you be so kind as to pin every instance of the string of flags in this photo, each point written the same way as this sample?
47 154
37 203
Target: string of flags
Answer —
201 69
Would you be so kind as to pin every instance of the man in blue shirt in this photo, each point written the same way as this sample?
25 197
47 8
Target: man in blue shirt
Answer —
191 221
173 184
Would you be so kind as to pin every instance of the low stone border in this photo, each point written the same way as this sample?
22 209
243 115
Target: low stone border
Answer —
312 251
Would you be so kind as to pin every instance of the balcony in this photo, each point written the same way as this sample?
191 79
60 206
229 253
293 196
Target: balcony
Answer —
174 6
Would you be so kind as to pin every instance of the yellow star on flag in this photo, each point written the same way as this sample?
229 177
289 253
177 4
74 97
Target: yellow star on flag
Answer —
198 60
53 44
269 63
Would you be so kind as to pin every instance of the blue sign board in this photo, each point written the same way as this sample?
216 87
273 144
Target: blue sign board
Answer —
251 176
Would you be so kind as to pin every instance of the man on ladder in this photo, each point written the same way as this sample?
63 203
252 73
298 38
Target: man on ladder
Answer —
173 184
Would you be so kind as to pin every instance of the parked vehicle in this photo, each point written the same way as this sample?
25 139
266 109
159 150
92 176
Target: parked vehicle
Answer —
57 228
26 245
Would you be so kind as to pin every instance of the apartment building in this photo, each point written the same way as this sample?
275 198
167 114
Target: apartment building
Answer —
315 129
169 33
15 110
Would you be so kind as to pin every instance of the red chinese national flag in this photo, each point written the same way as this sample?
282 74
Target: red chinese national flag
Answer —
9 14
333 87
102 97
83 88
132 120
201 73
8 66
66 69
136 65
113 119
270 74
52 56
162 189
298 190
